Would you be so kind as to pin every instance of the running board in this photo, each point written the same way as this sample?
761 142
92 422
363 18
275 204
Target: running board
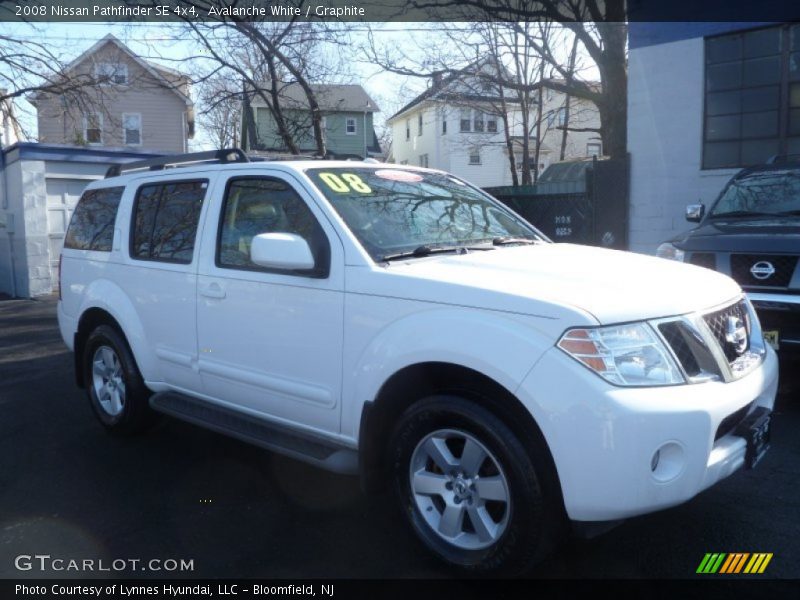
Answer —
310 449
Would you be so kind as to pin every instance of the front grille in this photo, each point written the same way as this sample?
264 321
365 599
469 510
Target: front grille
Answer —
730 422
784 266
680 347
718 323
704 259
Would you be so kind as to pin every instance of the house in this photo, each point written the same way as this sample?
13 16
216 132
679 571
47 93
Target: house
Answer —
458 125
704 100
347 122
133 103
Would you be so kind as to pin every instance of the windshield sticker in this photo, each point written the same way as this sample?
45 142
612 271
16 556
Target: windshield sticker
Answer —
398 175
345 183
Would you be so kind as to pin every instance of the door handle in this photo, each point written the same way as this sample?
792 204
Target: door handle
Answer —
213 290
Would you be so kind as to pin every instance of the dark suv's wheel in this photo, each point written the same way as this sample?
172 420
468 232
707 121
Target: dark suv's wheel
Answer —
469 487
114 385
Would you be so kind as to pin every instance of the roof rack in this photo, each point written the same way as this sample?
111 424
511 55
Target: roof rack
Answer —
783 158
227 155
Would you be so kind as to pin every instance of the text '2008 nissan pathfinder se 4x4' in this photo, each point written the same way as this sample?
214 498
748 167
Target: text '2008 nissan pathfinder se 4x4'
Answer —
401 324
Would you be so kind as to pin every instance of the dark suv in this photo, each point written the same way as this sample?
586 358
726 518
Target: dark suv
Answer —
752 233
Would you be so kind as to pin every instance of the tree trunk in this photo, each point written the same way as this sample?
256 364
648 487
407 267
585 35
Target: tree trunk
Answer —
614 75
512 159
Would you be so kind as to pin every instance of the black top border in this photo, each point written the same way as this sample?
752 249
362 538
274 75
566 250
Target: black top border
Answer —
397 11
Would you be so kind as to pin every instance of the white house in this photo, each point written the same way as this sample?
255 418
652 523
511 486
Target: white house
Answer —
704 100
457 125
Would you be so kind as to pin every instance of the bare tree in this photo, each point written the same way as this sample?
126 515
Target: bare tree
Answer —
31 66
601 29
497 70
221 111
269 57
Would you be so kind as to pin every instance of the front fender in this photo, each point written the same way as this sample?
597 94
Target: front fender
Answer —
501 346
108 296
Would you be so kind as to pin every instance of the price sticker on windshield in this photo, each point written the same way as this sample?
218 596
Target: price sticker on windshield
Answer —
345 183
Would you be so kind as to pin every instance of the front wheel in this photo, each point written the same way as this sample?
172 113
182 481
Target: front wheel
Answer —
469 487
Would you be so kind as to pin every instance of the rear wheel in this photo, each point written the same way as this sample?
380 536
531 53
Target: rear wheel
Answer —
114 385
469 487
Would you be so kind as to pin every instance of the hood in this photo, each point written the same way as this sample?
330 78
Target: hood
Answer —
775 235
556 281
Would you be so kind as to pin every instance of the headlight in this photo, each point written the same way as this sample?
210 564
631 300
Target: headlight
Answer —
669 251
623 354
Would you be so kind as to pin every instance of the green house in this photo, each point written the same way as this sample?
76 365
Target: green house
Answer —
347 121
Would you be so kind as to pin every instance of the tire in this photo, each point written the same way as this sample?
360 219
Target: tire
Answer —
115 388
470 489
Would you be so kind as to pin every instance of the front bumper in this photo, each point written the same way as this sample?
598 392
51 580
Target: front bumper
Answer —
603 438
781 313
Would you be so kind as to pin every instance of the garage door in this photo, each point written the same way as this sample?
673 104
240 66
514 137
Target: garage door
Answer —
62 196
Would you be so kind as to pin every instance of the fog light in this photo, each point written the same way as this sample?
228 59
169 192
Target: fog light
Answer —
668 462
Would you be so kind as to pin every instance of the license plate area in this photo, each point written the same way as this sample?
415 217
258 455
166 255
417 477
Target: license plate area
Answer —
756 430
772 337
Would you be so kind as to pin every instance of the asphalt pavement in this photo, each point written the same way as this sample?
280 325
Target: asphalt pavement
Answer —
69 490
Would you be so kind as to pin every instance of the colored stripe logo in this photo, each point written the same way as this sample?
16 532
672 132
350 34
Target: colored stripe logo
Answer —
734 563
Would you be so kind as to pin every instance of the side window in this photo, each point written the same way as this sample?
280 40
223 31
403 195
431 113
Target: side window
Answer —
165 218
92 223
264 205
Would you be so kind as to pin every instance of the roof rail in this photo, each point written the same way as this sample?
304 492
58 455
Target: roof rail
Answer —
783 158
227 155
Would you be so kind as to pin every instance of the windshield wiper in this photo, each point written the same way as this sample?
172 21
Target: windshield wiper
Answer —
741 213
788 213
502 241
425 250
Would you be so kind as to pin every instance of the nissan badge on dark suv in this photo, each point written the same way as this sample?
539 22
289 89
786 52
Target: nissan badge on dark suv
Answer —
752 233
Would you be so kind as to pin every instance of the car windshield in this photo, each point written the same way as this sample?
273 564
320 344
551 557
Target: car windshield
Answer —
765 193
397 212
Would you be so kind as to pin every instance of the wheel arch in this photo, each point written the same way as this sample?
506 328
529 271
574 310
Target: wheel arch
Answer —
107 304
414 382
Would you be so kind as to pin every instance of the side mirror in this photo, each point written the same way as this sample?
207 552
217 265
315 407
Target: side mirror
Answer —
281 251
695 212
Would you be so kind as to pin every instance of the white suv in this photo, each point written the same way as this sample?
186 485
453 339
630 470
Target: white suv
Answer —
401 324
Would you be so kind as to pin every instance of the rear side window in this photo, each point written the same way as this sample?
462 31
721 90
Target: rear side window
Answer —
165 218
92 223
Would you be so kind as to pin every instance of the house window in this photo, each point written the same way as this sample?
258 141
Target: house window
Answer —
408 129
444 125
423 160
752 97
562 116
419 124
475 156
466 120
594 149
132 129
403 162
491 123
93 128
350 126
106 73
478 122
